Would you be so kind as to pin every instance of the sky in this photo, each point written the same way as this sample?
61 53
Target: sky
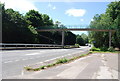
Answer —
68 13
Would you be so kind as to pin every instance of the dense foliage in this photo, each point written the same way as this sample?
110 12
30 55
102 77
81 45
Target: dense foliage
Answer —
82 39
19 28
108 20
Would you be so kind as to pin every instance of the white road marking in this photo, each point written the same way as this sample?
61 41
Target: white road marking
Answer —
17 60
44 56
10 51
39 63
8 62
50 60
24 59
33 54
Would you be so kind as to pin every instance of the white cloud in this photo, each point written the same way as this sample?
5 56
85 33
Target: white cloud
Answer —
81 19
20 5
75 12
92 20
54 8
51 6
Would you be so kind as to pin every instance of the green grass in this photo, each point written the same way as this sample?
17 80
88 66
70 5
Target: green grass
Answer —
42 67
105 51
72 46
36 69
95 49
59 61
28 68
49 65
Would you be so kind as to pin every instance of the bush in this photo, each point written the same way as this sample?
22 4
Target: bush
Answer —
94 49
111 49
77 45
103 49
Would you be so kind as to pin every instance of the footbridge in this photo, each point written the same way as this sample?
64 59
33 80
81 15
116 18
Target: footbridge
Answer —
62 29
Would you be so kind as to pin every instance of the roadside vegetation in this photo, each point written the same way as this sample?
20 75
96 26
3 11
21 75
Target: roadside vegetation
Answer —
108 20
58 62
22 28
104 49
72 46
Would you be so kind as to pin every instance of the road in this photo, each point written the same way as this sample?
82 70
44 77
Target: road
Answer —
13 61
103 66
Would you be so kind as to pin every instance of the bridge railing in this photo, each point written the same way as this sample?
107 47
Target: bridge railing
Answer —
74 27
63 27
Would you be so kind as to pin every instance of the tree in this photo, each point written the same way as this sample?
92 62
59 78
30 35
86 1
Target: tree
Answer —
57 24
47 21
70 38
15 28
109 20
80 40
40 21
34 18
114 12
85 38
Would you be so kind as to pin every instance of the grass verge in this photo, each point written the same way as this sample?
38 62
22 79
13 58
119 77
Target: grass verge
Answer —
59 61
105 52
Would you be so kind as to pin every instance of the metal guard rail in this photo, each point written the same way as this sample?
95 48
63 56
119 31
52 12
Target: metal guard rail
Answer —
5 45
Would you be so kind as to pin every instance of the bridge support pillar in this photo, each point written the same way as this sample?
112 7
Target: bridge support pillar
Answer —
110 38
63 36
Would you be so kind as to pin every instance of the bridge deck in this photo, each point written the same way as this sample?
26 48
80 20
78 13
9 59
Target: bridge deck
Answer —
76 29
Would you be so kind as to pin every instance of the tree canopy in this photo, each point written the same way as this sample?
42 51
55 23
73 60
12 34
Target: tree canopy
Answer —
108 20
82 39
19 28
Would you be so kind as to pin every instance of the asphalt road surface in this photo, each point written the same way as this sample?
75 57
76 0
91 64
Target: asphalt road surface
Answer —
96 66
13 61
